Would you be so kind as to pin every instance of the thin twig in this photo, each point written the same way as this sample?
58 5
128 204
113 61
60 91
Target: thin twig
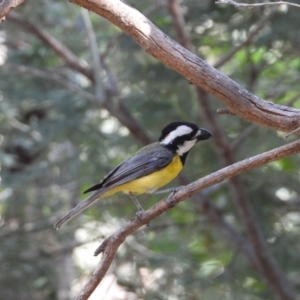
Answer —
296 131
178 21
98 83
248 5
251 35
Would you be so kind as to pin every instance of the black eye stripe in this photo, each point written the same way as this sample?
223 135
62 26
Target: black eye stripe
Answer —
183 138
192 134
173 126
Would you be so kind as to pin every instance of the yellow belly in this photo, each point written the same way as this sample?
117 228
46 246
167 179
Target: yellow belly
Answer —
149 183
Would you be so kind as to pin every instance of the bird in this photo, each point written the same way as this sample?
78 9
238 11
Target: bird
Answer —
149 169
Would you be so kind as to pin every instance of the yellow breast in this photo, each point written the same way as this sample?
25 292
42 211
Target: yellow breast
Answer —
150 183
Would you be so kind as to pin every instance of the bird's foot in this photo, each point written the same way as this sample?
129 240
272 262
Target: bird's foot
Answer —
170 197
139 215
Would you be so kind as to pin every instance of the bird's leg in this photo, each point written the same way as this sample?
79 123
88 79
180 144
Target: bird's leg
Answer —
172 191
136 202
163 191
140 211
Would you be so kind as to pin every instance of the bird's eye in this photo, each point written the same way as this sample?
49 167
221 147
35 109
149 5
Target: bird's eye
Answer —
192 135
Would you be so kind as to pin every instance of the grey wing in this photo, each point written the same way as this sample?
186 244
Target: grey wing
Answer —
141 164
138 166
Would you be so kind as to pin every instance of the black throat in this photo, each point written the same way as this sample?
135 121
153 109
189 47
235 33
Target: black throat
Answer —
183 157
173 148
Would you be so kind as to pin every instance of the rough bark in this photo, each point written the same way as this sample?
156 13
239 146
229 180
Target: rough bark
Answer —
238 100
6 6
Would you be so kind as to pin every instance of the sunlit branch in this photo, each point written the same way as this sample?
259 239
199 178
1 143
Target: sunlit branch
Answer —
245 104
6 6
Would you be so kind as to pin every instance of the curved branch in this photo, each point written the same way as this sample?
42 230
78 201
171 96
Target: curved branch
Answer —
6 6
240 101
111 244
64 52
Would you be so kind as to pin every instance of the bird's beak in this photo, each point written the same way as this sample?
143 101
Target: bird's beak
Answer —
204 134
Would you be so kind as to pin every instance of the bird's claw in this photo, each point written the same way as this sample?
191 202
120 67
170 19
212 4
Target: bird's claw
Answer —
170 197
139 215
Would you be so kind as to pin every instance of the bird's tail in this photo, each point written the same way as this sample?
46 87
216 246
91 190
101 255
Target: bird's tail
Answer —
79 208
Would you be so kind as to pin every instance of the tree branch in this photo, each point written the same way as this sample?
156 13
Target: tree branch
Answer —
179 23
98 83
248 5
58 47
197 71
262 258
203 205
110 245
6 6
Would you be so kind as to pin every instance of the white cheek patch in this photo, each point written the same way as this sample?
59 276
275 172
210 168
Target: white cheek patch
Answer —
198 133
179 131
185 147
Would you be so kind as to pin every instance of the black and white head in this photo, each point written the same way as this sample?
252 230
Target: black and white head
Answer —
181 137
